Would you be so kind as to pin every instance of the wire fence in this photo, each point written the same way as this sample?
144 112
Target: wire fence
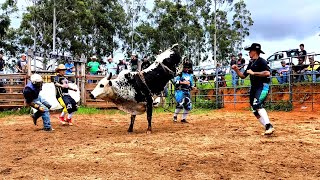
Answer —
295 84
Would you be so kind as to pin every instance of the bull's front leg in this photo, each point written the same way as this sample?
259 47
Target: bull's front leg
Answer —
149 113
133 117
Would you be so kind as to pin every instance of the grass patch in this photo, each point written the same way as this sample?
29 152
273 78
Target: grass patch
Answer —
279 106
89 110
19 111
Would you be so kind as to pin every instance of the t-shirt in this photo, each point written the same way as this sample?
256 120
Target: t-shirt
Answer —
1 64
60 90
67 65
303 54
258 65
120 67
241 62
94 66
22 65
145 65
111 68
233 62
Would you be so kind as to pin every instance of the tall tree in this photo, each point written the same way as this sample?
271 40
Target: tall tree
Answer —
241 23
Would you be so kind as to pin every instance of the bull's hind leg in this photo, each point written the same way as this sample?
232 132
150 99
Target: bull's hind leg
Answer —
149 113
133 117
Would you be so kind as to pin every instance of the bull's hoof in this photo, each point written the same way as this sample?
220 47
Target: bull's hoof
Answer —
130 130
149 131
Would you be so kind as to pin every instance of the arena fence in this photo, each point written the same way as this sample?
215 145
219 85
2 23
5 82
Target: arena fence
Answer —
213 93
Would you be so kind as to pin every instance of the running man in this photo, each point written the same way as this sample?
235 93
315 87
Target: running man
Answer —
259 72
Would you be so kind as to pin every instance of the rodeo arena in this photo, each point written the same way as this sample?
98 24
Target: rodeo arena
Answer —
91 117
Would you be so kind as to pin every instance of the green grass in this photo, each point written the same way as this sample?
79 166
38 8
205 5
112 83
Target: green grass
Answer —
228 78
20 111
88 110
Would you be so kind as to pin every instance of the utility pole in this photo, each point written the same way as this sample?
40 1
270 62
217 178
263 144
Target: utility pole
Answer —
133 14
54 28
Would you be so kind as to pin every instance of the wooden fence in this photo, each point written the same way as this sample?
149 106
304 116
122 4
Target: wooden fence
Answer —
13 85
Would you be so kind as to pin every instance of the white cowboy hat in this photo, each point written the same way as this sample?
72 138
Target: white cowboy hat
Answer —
94 57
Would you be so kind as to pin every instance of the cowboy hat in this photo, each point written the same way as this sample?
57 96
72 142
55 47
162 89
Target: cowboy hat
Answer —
94 57
60 67
255 47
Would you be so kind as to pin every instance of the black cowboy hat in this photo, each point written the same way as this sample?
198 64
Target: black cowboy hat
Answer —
255 47
186 65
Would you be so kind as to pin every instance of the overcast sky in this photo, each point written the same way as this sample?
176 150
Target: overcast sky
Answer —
278 24
284 24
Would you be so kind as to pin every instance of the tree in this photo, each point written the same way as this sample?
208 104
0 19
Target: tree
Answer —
6 33
241 23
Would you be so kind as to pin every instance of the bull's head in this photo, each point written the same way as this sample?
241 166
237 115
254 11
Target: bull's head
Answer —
104 89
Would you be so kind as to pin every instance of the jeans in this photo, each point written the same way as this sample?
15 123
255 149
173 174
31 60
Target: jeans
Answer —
93 73
283 78
313 75
45 115
241 80
234 78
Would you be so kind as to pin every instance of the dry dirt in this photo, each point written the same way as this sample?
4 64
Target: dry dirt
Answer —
217 145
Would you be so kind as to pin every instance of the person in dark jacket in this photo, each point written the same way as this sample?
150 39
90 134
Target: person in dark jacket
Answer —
33 99
145 64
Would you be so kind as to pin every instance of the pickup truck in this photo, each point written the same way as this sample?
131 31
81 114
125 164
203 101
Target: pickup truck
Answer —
275 59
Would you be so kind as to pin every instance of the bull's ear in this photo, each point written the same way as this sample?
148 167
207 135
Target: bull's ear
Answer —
110 83
110 76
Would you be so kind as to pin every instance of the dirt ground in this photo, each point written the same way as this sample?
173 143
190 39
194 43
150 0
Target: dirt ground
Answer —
215 145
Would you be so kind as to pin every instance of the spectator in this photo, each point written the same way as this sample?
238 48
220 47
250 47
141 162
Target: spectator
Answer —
299 69
22 64
70 67
312 70
145 64
121 66
203 76
303 53
94 67
283 73
233 72
111 67
221 79
241 63
2 64
134 63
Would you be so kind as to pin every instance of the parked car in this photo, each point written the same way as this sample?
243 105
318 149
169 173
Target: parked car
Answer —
289 56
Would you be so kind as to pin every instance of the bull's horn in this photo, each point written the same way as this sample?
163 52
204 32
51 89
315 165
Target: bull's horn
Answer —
174 46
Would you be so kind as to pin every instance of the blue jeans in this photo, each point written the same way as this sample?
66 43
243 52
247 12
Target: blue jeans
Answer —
93 73
241 80
312 73
283 78
45 115
234 78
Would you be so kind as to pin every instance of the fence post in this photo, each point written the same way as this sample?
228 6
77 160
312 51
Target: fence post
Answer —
83 61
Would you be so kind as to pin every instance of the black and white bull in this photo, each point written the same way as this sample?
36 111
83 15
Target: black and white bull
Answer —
132 91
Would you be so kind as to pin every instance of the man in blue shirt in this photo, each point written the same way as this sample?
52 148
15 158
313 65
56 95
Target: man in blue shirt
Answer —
111 67
70 67
283 73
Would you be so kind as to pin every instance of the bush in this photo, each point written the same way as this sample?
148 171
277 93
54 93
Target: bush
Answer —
279 106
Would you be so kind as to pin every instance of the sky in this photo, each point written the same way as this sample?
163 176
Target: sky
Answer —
278 24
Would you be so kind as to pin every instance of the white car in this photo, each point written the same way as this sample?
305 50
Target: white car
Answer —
289 56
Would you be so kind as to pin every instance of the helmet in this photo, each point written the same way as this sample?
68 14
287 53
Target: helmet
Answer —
36 78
